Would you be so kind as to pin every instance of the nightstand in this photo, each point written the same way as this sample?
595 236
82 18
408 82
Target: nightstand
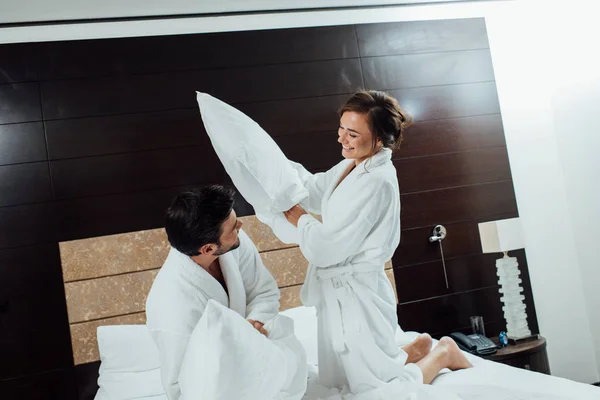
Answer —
529 355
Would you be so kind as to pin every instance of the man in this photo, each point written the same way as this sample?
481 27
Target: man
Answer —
210 258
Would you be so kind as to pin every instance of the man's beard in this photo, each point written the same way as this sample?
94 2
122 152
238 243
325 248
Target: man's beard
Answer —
222 250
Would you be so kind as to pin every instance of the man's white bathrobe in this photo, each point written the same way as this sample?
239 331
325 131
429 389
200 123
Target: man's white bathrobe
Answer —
356 306
182 290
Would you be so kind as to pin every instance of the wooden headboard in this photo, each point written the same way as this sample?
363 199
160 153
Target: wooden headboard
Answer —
107 279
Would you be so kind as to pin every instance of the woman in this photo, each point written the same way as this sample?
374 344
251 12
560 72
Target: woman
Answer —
359 202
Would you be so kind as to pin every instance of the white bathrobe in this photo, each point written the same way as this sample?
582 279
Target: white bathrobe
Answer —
356 306
181 292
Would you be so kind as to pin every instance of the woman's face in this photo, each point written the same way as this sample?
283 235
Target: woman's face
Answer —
355 136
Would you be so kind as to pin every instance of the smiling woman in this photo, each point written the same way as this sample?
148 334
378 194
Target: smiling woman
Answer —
359 202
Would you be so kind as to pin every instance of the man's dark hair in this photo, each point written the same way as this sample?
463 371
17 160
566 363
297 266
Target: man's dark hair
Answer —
195 217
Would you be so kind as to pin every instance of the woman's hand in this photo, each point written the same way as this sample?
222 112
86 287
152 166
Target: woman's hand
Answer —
294 214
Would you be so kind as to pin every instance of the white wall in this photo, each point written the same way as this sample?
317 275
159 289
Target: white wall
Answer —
556 192
526 56
576 107
577 118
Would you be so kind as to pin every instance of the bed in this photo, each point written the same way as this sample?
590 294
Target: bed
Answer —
108 278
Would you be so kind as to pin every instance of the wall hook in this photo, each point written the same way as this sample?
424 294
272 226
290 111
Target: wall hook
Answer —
437 235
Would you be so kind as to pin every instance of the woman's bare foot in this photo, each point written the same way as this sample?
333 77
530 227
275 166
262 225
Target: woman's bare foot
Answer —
455 359
418 348
445 355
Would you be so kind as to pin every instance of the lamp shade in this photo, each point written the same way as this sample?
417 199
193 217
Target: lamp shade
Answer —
500 236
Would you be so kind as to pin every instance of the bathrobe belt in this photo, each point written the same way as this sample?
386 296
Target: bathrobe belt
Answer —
329 285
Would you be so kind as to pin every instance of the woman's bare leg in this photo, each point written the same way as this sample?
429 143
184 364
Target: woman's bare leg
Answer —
418 348
445 355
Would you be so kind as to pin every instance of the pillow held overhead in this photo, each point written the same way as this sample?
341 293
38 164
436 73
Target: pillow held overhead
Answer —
257 166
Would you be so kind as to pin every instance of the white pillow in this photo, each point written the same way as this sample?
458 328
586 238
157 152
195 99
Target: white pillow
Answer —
281 334
227 359
130 366
256 165
127 348
305 328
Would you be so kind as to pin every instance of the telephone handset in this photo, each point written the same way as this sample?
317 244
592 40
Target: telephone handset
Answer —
474 344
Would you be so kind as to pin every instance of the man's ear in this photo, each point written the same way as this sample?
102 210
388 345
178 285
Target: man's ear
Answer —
208 249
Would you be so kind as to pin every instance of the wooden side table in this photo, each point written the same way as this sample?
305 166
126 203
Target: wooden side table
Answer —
530 355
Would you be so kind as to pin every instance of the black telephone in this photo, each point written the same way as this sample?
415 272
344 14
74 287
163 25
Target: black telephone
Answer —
474 344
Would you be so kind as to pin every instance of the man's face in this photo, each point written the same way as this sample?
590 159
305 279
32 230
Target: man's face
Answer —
229 234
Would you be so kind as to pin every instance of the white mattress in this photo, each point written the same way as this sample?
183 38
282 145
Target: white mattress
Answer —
487 380
489 373
497 375
489 376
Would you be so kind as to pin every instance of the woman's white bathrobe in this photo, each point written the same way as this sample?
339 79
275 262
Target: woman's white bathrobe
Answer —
356 305
182 290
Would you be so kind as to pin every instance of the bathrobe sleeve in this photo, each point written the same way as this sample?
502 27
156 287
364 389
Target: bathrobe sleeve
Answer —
333 241
262 293
315 184
171 347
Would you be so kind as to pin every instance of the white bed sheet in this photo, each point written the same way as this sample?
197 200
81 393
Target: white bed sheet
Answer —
491 374
485 373
488 375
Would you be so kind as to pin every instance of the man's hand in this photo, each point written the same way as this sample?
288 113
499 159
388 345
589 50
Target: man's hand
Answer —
259 327
294 214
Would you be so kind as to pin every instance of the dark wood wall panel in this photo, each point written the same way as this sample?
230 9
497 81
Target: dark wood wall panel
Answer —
296 116
20 143
316 151
118 213
91 176
33 317
452 135
87 387
28 224
480 202
450 101
188 52
462 240
85 137
450 170
14 192
52 385
464 273
19 63
445 313
19 102
421 37
94 97
98 136
430 69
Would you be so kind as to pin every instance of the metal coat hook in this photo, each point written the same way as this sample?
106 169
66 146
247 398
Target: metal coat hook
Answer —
437 235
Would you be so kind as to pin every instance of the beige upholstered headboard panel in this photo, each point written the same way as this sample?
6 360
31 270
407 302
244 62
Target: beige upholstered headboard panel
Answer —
108 278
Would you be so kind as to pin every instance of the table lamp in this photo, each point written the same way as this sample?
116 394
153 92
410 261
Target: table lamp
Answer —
504 236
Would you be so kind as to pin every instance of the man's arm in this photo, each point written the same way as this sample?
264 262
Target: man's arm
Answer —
262 293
